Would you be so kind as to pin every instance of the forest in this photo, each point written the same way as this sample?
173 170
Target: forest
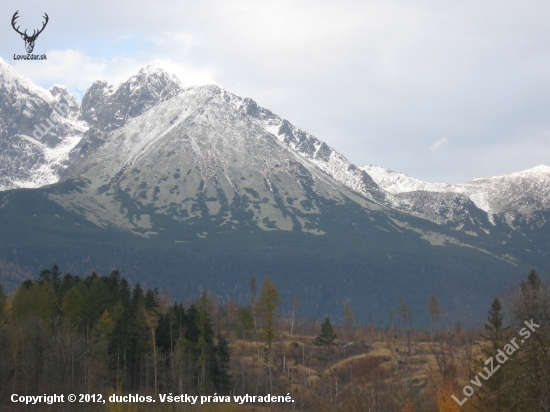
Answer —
100 335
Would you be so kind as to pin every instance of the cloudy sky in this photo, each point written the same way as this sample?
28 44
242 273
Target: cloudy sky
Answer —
444 91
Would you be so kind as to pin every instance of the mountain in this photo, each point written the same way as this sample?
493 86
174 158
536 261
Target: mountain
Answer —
492 204
190 187
105 108
25 160
516 193
43 132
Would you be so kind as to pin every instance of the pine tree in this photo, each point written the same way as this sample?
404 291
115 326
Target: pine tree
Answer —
53 278
328 336
67 283
150 312
492 394
195 349
72 305
247 321
222 379
50 276
105 324
531 303
97 298
130 340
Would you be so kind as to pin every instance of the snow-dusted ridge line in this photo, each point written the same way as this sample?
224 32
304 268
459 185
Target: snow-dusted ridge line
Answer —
46 158
108 108
495 194
311 149
13 81
35 135
395 182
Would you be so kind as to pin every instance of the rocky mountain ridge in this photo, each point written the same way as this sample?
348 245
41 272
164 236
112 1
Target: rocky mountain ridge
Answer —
34 141
514 195
88 134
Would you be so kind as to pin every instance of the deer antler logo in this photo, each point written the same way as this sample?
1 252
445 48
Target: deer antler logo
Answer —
29 40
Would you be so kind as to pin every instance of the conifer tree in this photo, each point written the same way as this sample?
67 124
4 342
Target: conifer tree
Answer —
150 309
53 277
328 336
130 340
105 324
67 283
206 360
222 379
530 305
97 298
492 394
247 321
72 305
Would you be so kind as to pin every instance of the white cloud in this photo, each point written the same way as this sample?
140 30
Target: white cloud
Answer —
77 71
379 80
438 144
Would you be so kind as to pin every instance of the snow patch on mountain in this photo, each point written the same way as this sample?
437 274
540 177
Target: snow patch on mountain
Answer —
37 127
14 83
521 192
55 160
395 182
312 150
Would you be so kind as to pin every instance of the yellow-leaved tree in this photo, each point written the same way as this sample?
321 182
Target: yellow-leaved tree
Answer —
267 305
34 300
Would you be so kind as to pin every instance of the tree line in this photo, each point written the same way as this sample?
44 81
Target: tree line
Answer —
89 335
61 333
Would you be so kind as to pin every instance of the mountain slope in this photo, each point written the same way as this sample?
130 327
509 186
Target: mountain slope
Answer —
195 187
43 132
202 147
105 108
26 161
369 258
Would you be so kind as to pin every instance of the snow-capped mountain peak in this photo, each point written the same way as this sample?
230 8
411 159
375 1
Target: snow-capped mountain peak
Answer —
156 68
15 84
395 182
537 171
38 128
519 192
81 131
